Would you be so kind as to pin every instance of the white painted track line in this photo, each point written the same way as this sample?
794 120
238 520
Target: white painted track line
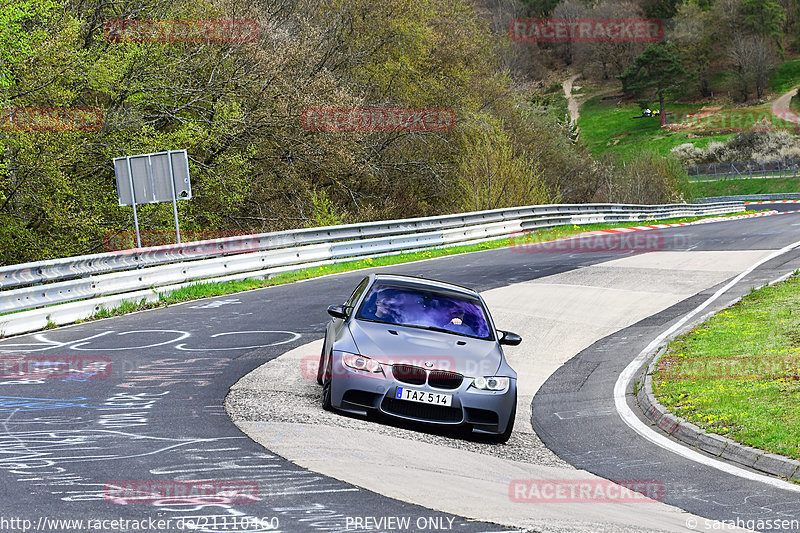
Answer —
630 418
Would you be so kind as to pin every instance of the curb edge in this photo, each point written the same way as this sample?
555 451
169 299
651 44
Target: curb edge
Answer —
716 445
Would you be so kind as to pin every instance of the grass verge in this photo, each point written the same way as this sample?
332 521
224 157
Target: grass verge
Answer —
747 186
738 373
209 289
607 126
610 127
785 76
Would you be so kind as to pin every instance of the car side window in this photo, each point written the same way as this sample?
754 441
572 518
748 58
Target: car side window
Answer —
357 292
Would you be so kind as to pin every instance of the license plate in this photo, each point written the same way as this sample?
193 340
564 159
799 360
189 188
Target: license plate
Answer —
421 396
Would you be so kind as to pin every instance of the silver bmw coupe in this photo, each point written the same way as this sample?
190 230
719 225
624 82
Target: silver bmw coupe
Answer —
419 350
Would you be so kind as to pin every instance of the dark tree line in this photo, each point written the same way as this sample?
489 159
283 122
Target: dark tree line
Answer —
236 107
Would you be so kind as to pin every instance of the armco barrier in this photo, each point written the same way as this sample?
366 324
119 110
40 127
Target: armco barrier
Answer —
74 267
112 277
77 267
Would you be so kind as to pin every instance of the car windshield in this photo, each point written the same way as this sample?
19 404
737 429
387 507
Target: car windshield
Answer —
423 308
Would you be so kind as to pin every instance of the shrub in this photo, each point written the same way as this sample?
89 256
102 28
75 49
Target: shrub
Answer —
648 179
749 145
687 153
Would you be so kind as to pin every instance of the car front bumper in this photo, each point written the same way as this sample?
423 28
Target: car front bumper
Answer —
360 392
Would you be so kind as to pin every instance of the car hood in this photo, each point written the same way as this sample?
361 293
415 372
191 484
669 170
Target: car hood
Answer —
391 344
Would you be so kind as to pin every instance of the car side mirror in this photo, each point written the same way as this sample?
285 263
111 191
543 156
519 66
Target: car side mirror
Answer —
338 311
508 338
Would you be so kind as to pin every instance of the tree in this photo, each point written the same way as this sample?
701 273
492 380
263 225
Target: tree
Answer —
658 70
660 9
691 31
753 59
650 178
493 173
612 57
540 8
572 10
765 17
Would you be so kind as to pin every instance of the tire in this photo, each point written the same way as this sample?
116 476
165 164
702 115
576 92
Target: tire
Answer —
321 364
502 438
327 378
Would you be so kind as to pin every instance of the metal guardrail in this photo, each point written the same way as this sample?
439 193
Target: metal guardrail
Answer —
77 267
748 198
101 280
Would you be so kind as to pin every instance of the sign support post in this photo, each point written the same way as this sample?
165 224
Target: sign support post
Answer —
174 198
153 178
133 202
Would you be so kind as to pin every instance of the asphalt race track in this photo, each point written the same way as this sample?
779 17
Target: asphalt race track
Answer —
68 444
585 386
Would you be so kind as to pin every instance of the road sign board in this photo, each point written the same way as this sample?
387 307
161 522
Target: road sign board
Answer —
152 179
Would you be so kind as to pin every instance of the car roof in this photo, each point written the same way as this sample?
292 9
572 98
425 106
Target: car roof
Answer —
424 282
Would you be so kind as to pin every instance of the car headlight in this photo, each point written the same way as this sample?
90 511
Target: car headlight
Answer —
359 362
491 383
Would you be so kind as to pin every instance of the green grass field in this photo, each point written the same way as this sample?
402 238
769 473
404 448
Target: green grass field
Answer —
740 187
786 76
738 374
610 127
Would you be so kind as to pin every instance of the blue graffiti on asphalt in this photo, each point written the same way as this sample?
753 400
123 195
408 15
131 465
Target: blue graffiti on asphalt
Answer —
18 403
80 376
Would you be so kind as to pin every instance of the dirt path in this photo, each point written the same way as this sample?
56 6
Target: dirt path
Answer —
780 107
572 103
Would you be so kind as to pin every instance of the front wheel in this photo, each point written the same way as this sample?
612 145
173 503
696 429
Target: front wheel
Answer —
321 364
326 387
